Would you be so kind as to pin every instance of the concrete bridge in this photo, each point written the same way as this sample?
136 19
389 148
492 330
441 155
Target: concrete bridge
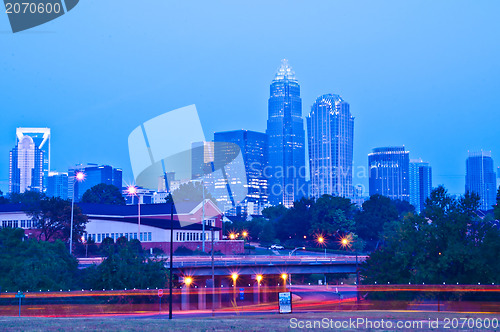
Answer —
265 265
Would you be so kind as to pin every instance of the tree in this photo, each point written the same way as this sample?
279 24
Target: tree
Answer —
496 208
127 266
3 200
448 243
374 214
103 194
296 222
332 215
191 192
53 217
33 265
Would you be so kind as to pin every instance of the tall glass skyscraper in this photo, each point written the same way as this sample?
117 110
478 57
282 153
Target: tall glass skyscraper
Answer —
389 172
94 175
41 139
26 166
253 146
480 178
57 185
420 183
286 139
330 132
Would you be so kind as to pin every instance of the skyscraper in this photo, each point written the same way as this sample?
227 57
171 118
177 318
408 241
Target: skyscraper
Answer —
420 183
286 139
253 146
330 130
389 167
57 185
26 166
41 139
480 178
94 175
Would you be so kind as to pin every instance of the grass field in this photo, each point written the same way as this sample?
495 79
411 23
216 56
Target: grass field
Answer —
237 323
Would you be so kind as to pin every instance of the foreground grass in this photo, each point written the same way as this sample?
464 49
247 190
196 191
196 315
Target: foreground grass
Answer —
232 323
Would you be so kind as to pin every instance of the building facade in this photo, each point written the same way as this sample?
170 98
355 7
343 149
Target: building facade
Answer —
115 221
420 183
389 172
480 178
57 185
41 139
253 147
330 132
286 139
94 175
26 166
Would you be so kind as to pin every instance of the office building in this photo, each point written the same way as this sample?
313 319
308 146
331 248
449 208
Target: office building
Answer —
389 172
420 183
330 132
253 147
480 178
26 166
41 139
57 185
94 174
286 139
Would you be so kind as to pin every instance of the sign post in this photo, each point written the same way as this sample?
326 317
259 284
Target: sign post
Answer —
285 301
160 295
20 296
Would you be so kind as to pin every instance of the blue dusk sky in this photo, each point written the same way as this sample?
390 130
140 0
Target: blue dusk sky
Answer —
423 74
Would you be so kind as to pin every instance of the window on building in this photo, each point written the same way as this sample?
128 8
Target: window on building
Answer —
98 237
149 236
177 236
23 223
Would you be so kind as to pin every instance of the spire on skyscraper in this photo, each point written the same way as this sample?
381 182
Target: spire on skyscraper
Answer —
285 72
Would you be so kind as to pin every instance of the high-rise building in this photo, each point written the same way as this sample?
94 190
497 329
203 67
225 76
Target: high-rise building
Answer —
41 139
420 183
253 147
480 178
330 132
94 175
286 139
26 166
57 185
389 168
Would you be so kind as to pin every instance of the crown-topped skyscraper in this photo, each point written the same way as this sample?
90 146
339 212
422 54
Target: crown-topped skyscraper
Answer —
286 139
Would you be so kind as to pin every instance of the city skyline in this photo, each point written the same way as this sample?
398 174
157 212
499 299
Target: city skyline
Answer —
400 92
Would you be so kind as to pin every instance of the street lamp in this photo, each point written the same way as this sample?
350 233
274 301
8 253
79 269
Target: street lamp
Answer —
188 281
79 176
321 241
294 250
346 242
203 208
132 190
284 276
234 276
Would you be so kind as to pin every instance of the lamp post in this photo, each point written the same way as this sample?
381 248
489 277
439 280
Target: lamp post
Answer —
321 241
259 279
133 191
170 301
79 176
234 276
284 276
294 250
347 242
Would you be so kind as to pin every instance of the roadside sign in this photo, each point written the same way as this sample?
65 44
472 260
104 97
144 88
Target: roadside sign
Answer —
20 295
285 301
160 292
242 293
